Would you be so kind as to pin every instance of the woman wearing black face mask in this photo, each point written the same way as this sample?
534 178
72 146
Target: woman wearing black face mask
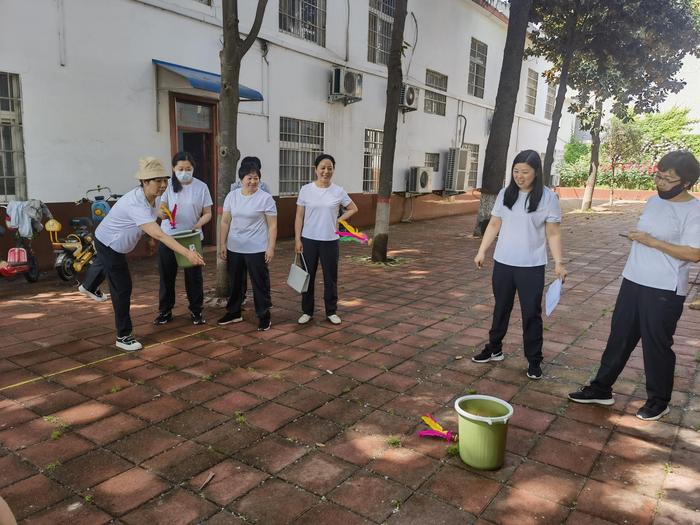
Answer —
654 286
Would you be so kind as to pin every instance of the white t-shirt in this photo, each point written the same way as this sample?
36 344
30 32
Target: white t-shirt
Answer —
672 222
321 207
248 232
522 240
191 201
120 229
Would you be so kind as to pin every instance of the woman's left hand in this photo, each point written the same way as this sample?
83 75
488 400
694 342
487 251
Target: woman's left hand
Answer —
269 255
560 271
640 236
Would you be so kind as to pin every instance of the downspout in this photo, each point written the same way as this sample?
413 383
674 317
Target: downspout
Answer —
347 32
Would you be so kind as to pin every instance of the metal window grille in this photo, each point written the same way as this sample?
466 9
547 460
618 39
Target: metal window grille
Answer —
551 100
435 80
473 166
434 103
205 2
374 138
531 91
301 141
477 68
432 160
381 21
304 19
13 183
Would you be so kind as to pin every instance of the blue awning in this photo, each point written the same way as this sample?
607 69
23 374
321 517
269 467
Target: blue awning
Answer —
207 81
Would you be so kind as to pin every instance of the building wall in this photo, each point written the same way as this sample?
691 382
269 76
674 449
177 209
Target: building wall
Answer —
86 122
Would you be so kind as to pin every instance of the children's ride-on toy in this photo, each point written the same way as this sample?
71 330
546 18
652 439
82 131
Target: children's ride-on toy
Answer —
23 219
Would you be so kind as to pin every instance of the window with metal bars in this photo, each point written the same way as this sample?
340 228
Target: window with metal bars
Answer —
473 166
381 21
531 91
435 80
205 2
477 68
13 183
304 19
435 103
374 138
432 160
301 141
551 100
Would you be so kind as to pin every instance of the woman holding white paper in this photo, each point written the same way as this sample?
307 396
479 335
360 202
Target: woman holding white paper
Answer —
654 285
525 218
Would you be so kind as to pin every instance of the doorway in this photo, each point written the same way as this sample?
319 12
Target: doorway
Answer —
194 123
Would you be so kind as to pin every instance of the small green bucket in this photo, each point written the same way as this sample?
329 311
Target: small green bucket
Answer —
191 240
483 427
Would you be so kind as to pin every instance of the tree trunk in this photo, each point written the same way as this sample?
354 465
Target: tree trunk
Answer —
234 49
595 157
496 156
380 240
561 96
612 183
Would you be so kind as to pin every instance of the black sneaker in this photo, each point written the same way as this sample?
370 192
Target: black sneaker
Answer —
651 412
163 318
485 356
534 371
198 319
230 318
128 343
264 323
590 395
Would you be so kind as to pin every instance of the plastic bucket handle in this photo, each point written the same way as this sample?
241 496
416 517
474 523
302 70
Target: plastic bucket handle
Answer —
485 419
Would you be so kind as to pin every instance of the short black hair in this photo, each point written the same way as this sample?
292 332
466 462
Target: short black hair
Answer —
254 161
324 156
683 163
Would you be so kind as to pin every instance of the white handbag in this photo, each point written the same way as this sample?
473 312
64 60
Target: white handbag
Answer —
298 278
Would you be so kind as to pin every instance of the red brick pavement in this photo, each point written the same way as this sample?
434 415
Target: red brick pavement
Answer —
301 424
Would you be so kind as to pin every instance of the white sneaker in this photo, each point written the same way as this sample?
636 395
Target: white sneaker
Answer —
305 318
97 296
128 343
334 319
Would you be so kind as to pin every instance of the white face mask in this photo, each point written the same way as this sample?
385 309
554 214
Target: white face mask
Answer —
184 176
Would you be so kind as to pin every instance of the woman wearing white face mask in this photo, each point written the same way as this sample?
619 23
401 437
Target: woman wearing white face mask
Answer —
189 202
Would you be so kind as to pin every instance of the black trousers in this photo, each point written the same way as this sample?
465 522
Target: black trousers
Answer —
95 274
649 314
116 269
236 265
528 281
328 252
194 282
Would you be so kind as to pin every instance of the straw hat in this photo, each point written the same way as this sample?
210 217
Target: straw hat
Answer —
151 168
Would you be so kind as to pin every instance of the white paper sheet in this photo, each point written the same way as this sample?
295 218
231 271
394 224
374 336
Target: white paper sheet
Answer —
552 297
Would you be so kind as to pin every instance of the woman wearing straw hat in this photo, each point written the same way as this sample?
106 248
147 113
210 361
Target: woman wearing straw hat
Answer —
118 234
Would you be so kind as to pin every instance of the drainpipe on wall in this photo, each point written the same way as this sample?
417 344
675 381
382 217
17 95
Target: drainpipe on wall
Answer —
61 33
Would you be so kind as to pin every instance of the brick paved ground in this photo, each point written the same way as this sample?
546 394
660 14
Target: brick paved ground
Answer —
295 423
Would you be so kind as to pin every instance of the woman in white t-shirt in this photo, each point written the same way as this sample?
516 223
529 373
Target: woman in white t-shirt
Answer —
525 217
654 286
315 236
248 235
189 202
132 215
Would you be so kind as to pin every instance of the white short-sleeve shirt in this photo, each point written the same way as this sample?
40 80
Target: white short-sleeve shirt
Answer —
248 232
191 201
522 239
321 207
120 229
672 222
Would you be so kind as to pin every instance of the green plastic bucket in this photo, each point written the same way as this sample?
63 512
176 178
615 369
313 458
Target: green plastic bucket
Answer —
189 239
483 427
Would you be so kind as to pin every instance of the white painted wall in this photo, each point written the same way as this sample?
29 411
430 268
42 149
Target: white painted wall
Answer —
87 122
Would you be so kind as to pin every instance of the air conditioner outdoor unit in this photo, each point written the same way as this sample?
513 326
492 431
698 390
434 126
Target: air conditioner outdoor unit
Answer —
345 85
409 98
419 180
456 171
